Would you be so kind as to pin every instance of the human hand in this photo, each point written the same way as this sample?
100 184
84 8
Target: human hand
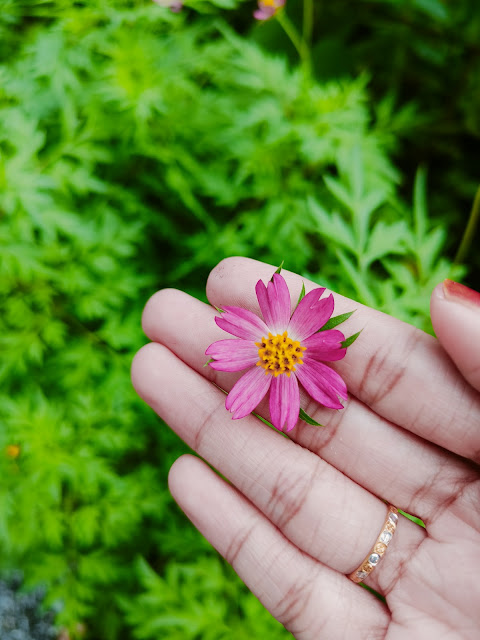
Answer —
303 511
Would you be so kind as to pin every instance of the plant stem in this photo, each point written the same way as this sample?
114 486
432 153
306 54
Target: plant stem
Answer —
308 23
297 41
469 233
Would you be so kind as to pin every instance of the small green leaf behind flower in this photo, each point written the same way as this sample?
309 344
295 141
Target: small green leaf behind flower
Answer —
302 294
306 418
336 320
348 341
278 270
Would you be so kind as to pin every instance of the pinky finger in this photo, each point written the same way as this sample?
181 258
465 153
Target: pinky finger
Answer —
309 599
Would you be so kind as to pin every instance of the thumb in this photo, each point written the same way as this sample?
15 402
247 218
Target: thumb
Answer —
455 313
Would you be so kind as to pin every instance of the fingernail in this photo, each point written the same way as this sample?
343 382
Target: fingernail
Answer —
457 292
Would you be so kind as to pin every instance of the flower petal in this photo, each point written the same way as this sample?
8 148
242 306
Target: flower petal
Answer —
326 345
330 377
234 354
284 402
274 301
263 14
322 383
247 392
242 324
266 10
310 315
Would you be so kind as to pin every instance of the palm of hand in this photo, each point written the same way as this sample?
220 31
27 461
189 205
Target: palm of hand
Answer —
302 512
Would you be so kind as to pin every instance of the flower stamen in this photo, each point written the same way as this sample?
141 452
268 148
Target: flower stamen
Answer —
279 354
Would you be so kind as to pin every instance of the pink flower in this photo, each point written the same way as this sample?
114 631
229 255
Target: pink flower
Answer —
267 9
280 352
174 5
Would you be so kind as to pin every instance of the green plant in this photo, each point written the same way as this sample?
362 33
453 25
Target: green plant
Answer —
137 148
214 602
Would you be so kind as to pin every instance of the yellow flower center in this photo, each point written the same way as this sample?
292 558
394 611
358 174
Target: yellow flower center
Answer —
279 354
271 3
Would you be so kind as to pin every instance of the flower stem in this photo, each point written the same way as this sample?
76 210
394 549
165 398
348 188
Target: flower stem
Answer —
469 233
297 41
308 22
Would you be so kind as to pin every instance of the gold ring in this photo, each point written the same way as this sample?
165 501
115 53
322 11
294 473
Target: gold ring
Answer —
379 548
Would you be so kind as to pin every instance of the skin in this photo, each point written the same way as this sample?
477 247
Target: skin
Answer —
299 513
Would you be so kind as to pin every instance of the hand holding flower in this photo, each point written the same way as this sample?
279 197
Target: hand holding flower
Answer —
301 513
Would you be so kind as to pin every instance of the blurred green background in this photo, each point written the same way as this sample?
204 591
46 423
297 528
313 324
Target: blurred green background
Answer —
138 147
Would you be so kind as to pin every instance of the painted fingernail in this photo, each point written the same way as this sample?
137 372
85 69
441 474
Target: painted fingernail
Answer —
457 292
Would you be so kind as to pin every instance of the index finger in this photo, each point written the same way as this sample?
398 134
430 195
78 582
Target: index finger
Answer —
400 372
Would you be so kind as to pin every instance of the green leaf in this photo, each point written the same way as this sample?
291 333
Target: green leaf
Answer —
420 204
348 341
360 282
385 240
433 9
269 424
302 294
278 270
336 320
337 189
332 226
430 249
219 309
412 518
208 362
306 418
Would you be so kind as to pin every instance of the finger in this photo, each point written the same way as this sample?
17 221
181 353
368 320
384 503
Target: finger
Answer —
312 503
399 371
385 459
311 600
455 311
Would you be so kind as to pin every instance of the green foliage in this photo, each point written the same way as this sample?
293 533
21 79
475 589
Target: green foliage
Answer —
137 148
213 599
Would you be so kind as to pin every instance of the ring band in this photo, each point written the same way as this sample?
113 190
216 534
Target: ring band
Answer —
378 550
